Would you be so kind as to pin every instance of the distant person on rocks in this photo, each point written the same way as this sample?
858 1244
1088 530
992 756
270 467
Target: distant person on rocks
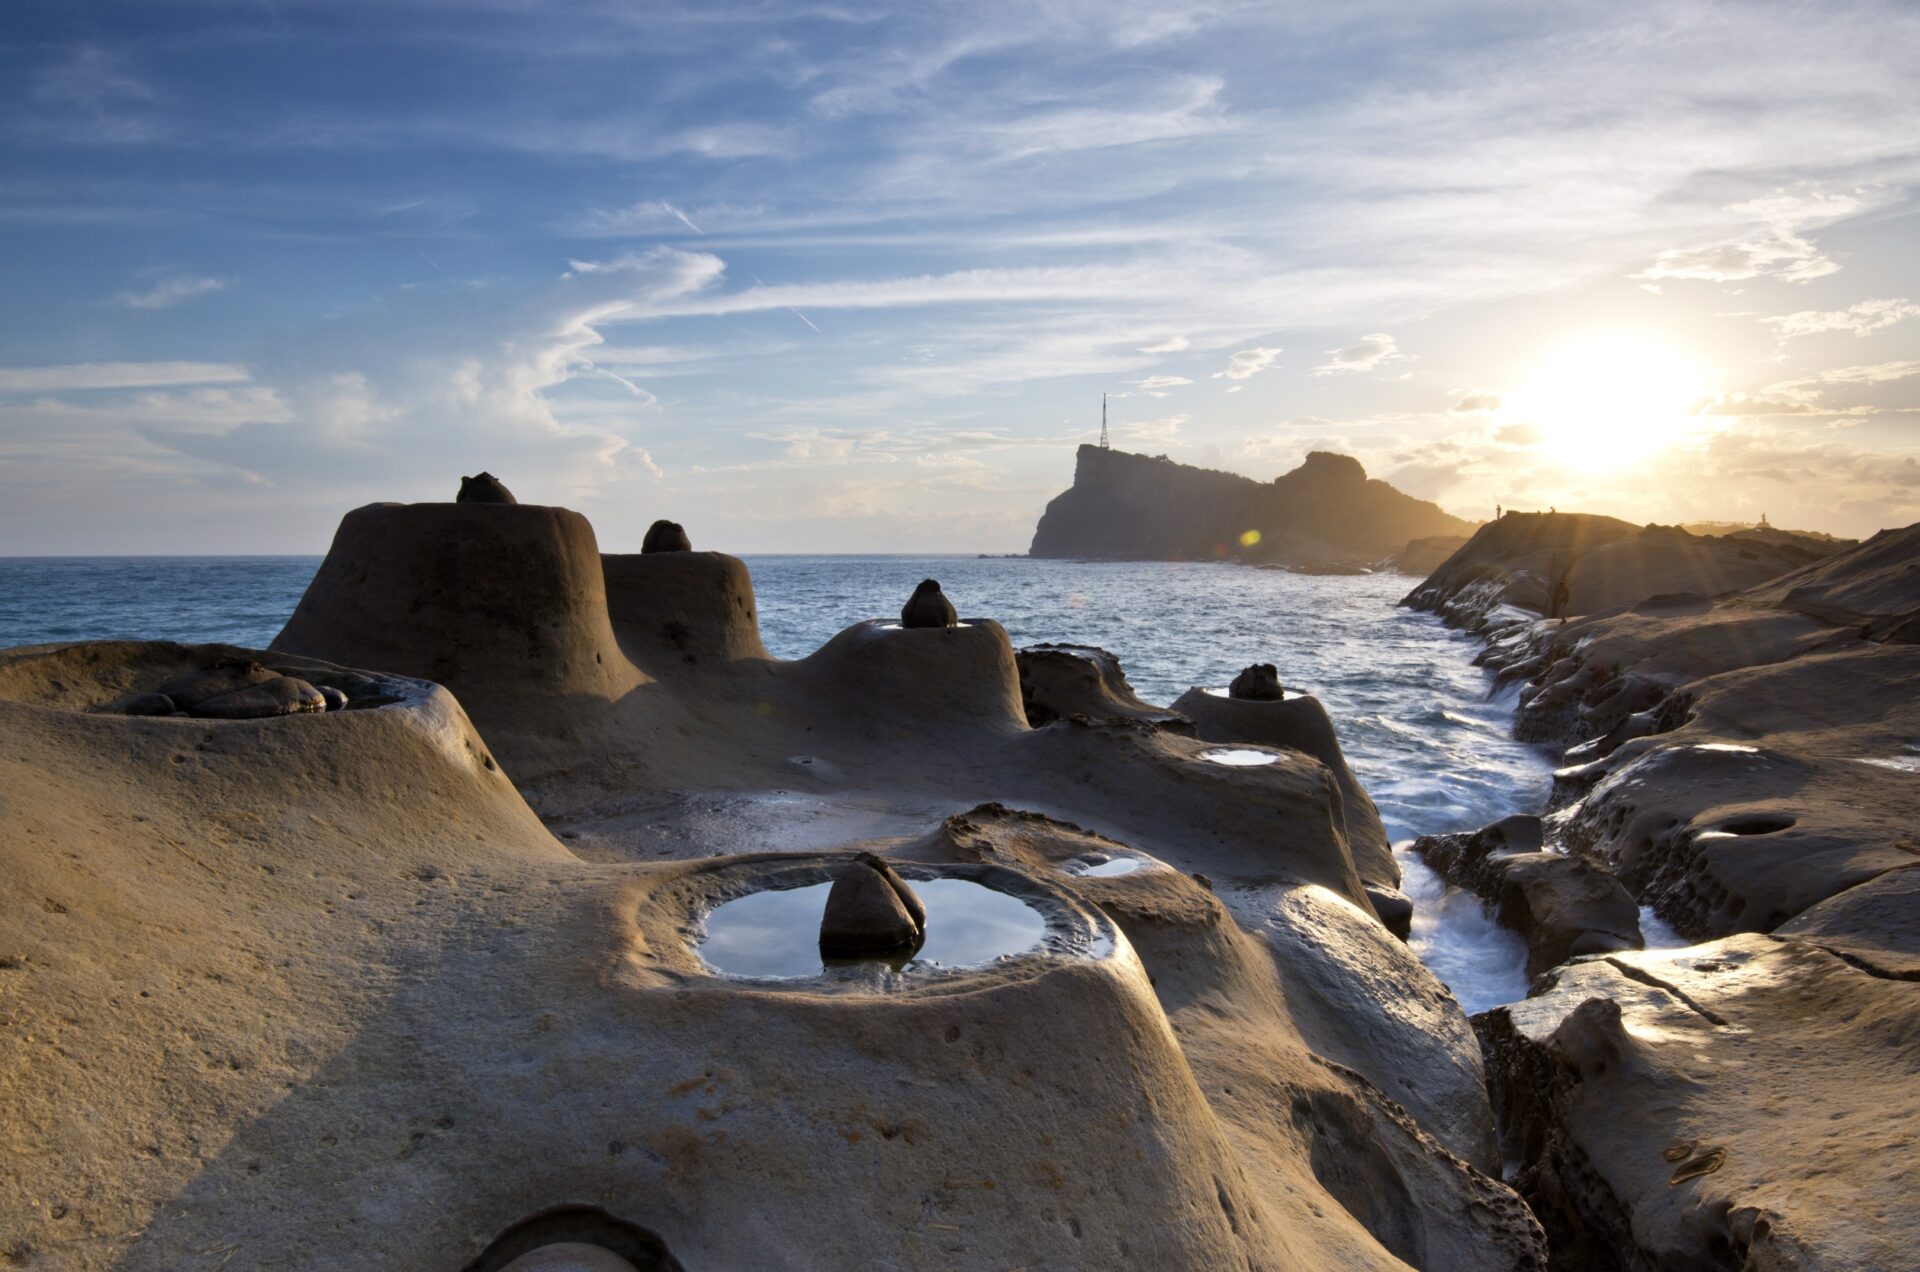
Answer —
666 536
928 607
484 488
1259 683
1498 512
1558 591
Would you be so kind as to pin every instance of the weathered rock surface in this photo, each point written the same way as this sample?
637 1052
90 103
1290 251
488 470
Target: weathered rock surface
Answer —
1301 724
380 984
1063 680
1132 507
1748 1103
1564 906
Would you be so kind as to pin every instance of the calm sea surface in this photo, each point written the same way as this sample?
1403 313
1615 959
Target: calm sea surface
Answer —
1411 710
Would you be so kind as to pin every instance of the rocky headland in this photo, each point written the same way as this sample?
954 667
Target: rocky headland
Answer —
1325 516
1740 721
422 979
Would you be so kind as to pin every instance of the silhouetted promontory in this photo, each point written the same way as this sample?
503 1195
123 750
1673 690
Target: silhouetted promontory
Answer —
1325 513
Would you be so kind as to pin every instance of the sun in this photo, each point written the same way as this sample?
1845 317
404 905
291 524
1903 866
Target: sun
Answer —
1610 401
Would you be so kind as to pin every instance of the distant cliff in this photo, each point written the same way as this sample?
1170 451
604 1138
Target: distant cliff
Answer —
1324 514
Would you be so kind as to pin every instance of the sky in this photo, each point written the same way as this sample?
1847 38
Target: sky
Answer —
853 277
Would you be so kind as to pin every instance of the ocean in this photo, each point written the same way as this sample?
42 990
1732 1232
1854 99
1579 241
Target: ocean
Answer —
1413 713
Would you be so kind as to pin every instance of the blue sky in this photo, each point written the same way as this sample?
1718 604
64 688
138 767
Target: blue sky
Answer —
853 277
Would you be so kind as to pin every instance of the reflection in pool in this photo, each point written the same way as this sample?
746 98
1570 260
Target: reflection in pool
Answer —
1107 869
776 934
1288 695
1239 756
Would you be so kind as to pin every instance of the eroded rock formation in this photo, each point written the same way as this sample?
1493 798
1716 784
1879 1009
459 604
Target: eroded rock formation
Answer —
340 957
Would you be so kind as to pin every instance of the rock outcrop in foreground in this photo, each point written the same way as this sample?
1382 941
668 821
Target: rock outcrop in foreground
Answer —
418 983
1326 514
1749 766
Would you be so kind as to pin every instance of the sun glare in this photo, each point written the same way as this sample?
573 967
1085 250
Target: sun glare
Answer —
1610 401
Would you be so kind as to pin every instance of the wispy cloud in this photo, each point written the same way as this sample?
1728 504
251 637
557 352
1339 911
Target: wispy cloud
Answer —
115 375
1371 353
1248 363
169 290
1862 319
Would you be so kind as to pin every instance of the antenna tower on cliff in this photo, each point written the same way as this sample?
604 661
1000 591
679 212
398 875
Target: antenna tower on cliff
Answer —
1103 423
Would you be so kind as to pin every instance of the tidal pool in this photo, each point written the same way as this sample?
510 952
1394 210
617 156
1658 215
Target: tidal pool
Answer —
1107 869
1239 756
1286 695
776 934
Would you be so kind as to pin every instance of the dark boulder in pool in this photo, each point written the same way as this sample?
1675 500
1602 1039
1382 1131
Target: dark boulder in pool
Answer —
1260 682
282 695
147 704
870 910
217 678
928 607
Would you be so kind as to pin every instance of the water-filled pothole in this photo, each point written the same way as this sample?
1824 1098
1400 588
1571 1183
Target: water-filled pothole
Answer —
1287 695
896 627
776 934
1239 756
1111 867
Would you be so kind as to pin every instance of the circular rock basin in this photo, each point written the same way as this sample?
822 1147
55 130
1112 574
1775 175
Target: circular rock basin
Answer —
775 935
896 627
1239 756
1110 868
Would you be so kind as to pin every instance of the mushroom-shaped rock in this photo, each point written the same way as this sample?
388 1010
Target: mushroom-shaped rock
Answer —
928 607
217 678
484 488
282 695
870 911
1260 682
666 536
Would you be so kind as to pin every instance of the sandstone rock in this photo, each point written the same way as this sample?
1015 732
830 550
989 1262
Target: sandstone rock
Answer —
928 607
666 536
148 704
1748 1103
1301 724
336 698
1062 680
282 695
1394 907
1258 683
484 488
569 1256
868 911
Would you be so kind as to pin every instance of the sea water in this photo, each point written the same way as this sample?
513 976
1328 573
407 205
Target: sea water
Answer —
1412 712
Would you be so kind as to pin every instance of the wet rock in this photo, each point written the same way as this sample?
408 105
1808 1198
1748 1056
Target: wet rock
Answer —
1260 682
217 678
870 910
1064 680
147 704
1743 1104
1563 905
1394 907
336 698
282 695
1301 724
484 488
928 607
666 536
